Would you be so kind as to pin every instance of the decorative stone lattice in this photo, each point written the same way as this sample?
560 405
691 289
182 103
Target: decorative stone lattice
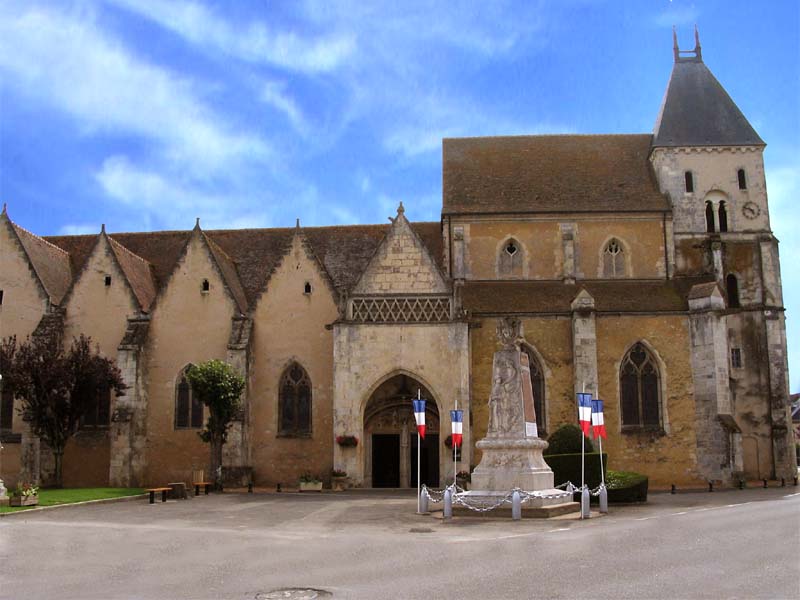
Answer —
404 309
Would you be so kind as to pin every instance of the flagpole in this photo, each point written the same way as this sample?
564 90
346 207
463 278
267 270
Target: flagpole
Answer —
455 450
419 453
583 456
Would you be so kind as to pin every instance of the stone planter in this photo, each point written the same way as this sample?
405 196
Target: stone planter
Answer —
339 484
24 500
310 486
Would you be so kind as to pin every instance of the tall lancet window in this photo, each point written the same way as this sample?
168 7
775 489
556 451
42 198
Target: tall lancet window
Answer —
723 217
614 259
294 402
710 217
640 394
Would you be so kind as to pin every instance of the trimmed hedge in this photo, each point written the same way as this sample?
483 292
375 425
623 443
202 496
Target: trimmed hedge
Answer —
567 467
626 486
567 440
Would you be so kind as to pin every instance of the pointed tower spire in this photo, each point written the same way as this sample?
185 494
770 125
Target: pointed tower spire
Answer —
197 223
697 50
675 51
5 209
103 228
401 209
297 224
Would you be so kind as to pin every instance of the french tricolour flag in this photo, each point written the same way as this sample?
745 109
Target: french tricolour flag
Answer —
457 417
598 424
419 416
585 412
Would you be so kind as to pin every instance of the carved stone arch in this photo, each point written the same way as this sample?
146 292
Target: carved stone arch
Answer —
625 253
295 401
511 265
662 382
390 375
541 405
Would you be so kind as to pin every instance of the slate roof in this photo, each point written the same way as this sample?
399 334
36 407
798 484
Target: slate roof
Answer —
247 257
621 295
697 111
549 173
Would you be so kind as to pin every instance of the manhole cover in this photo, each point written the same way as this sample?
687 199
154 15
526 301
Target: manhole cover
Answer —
294 594
420 530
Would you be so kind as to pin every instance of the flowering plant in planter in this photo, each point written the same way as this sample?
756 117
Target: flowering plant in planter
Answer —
347 441
464 476
309 478
26 490
338 473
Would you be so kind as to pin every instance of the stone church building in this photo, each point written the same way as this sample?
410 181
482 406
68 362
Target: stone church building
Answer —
642 267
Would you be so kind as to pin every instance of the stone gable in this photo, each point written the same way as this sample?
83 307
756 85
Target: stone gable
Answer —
401 265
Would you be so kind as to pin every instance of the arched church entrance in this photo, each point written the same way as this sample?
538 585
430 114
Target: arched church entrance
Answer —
390 436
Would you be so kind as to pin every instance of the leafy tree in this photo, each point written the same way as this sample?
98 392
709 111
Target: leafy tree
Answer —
56 388
219 386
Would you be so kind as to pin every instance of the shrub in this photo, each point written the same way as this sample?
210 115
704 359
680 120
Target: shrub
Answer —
567 467
567 440
626 486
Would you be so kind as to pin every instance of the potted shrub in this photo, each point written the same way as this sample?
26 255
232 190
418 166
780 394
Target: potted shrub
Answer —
463 478
347 441
310 483
26 494
339 480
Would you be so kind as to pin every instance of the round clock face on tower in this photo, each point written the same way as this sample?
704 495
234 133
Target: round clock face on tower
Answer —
751 210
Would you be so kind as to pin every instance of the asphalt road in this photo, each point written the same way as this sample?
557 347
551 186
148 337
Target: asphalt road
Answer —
736 544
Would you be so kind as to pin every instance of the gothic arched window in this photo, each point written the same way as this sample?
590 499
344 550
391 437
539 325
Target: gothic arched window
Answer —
640 392
537 384
709 217
188 409
6 408
740 175
509 263
613 259
723 217
294 402
98 412
732 285
689 181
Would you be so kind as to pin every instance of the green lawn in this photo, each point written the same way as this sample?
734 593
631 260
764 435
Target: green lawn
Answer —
69 496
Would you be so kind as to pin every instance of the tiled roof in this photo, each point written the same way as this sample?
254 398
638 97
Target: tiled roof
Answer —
137 271
229 273
499 297
697 111
51 264
247 257
549 173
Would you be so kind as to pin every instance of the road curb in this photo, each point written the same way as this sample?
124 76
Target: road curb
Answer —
17 513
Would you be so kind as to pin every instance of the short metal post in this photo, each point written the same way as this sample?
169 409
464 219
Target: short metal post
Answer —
278 488
249 487
585 513
765 483
795 480
673 490
423 500
448 504
741 484
603 500
710 486
516 506
783 482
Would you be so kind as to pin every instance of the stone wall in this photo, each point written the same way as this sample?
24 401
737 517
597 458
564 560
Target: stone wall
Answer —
364 356
289 325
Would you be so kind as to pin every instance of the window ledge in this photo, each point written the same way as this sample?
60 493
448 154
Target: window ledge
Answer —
301 436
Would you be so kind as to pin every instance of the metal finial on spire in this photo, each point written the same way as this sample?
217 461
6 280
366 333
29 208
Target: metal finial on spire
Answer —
103 228
197 223
297 223
5 208
675 50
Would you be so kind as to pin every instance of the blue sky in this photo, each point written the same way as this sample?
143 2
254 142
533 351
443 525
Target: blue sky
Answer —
144 114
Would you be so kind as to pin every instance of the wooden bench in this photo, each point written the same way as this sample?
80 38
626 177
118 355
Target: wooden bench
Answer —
153 491
197 484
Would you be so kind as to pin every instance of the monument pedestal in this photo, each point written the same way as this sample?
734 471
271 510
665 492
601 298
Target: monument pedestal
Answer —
512 463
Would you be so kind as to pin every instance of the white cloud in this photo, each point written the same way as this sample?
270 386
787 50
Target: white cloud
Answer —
78 229
256 42
68 62
274 94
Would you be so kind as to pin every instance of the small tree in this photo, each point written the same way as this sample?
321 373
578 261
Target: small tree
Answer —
56 389
219 386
